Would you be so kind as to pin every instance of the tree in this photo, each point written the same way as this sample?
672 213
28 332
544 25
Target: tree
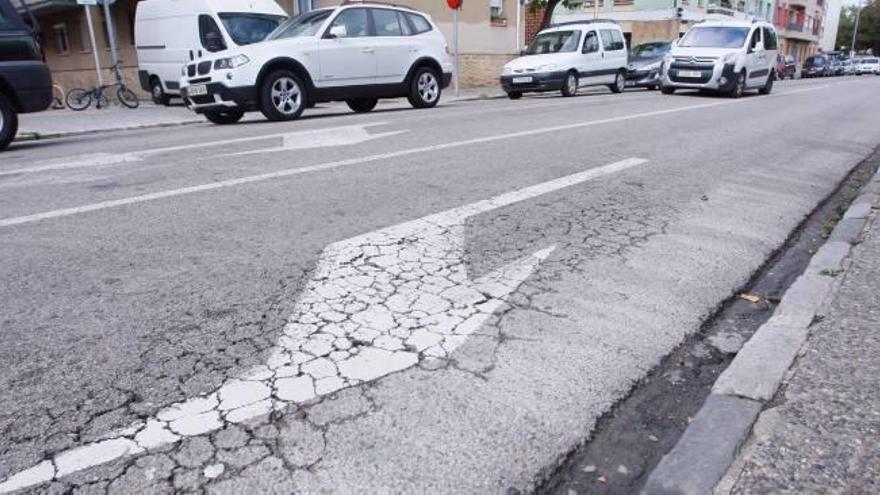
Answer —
549 6
869 27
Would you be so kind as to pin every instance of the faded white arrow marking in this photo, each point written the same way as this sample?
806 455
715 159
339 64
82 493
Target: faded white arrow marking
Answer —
311 138
376 304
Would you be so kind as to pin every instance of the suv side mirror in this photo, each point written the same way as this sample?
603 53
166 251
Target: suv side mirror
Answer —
214 42
337 31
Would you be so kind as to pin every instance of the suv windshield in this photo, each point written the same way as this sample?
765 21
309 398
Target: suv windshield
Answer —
650 50
245 29
715 37
306 24
554 42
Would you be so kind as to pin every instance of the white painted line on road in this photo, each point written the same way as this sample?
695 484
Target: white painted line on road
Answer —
211 186
376 304
308 138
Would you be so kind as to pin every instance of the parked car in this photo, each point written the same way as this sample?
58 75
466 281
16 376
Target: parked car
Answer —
849 67
725 56
837 67
786 67
644 64
569 56
355 53
25 81
170 33
816 66
868 65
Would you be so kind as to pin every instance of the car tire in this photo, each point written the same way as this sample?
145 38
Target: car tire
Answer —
8 122
570 85
157 94
224 117
667 90
514 95
619 82
739 87
768 86
424 88
653 87
282 96
362 105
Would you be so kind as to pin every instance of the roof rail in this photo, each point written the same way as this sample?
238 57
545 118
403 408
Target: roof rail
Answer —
375 2
585 21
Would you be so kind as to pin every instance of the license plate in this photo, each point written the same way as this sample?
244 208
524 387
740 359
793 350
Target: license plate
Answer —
690 73
630 83
522 80
197 90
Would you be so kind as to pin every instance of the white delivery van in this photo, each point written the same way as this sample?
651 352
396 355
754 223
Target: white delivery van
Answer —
170 33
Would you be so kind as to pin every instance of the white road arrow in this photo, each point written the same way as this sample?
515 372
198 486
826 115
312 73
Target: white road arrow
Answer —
376 304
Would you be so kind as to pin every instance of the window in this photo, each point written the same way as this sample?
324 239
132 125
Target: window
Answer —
306 24
386 22
496 10
354 23
753 40
420 24
618 40
62 39
607 41
554 42
591 42
245 29
769 39
210 35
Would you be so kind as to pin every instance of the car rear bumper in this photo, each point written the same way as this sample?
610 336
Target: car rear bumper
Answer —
31 83
546 81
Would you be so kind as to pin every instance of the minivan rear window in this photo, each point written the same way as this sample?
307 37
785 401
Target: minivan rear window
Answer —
715 37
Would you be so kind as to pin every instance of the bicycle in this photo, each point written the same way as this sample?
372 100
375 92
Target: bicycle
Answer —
81 98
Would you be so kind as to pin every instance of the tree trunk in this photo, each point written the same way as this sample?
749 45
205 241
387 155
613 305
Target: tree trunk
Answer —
548 13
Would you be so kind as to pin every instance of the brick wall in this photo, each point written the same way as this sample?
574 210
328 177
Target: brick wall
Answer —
532 20
482 69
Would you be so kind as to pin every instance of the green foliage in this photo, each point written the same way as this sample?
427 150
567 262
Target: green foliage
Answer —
869 27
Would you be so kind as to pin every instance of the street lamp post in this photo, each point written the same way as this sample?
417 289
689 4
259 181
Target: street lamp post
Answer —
852 49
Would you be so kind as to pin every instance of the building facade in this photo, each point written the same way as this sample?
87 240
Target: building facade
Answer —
830 24
800 27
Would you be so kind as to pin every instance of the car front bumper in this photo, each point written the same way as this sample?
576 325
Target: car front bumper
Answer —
220 97
718 77
641 78
533 82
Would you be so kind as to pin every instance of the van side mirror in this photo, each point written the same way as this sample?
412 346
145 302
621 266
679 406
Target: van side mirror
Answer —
337 31
214 42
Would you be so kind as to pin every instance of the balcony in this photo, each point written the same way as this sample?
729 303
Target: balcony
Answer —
795 26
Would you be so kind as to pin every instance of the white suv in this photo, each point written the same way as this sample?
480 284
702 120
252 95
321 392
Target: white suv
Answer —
724 56
568 56
355 53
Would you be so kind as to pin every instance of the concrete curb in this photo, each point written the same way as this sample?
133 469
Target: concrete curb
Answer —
36 136
710 443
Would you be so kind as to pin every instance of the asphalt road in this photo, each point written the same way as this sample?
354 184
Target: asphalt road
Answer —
146 270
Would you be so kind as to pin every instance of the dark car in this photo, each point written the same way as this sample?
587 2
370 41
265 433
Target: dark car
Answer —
816 66
644 64
837 67
25 81
785 67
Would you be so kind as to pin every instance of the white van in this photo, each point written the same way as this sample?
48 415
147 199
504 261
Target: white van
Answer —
170 33
568 56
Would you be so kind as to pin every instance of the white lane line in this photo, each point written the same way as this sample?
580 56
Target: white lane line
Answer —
211 186
302 139
376 304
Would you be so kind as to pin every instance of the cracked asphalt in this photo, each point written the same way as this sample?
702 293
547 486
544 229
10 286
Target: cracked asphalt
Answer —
446 302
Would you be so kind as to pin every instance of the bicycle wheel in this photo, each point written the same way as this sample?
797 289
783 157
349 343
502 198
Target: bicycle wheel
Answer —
78 99
127 97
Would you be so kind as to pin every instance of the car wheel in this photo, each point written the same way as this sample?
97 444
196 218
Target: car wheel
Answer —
514 95
619 83
424 88
653 87
739 86
362 105
667 90
8 122
158 94
282 96
570 86
768 86
224 117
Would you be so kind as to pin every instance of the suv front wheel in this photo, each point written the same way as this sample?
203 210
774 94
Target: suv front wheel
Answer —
224 117
424 88
768 86
282 96
362 105
8 122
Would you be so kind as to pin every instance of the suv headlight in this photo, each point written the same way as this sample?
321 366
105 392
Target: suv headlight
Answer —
230 62
546 67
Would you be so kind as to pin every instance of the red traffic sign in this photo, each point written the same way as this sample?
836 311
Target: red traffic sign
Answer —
454 4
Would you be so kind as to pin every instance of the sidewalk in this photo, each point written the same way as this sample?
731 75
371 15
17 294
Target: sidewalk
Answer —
821 433
62 123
